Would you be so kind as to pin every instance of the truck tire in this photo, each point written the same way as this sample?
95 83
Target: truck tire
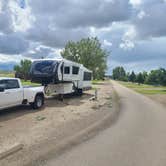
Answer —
39 101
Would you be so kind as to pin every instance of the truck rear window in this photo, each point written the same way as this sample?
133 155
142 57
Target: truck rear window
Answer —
10 84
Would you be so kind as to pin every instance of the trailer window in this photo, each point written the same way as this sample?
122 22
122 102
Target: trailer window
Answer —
67 70
75 70
2 82
43 67
87 76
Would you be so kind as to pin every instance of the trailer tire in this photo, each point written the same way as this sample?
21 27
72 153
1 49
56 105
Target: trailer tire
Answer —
79 92
39 101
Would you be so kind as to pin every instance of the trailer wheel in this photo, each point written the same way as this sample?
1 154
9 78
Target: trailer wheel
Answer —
39 101
79 92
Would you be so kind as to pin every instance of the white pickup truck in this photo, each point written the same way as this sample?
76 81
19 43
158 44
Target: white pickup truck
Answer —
12 93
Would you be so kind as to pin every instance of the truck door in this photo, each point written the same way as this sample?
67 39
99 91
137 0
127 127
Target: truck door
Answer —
13 93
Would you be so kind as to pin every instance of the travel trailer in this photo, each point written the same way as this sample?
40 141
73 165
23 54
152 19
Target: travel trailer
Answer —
61 76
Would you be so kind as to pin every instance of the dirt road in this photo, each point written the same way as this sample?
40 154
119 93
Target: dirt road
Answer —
137 139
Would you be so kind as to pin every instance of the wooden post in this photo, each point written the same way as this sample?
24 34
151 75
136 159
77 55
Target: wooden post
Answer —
96 94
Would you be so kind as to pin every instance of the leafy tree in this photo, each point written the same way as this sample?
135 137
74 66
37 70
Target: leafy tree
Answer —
127 76
132 77
157 77
22 70
154 77
163 77
88 52
145 76
119 74
140 78
17 68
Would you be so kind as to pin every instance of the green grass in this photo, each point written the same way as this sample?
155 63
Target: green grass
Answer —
145 89
96 81
28 83
151 92
6 74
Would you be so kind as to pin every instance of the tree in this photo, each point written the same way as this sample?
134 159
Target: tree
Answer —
127 76
119 74
140 78
157 77
145 76
22 70
163 77
132 77
88 52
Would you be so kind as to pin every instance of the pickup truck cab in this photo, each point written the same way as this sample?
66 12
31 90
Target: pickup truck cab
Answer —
12 93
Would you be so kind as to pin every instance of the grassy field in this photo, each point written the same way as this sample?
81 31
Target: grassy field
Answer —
6 74
145 89
29 83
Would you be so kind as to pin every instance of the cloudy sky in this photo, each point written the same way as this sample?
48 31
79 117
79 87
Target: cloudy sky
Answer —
133 31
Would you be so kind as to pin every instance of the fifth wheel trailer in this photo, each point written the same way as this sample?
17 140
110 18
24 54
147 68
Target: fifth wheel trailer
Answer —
61 76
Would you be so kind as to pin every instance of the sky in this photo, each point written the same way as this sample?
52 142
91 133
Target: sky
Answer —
132 31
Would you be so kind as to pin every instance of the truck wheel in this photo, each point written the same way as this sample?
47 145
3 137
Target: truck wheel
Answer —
38 103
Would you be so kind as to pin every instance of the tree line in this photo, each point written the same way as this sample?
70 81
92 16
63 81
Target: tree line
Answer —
154 77
22 70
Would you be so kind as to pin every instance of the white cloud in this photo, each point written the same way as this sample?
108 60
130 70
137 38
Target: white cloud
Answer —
22 18
55 54
107 43
4 58
41 51
136 2
128 39
127 45
131 33
141 14
0 6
